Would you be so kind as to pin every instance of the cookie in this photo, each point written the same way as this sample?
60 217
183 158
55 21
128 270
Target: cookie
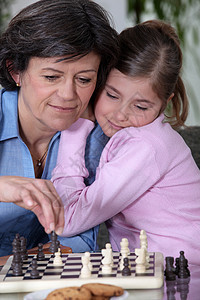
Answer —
70 293
100 289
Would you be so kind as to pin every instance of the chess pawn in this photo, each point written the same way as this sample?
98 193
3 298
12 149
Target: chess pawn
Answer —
140 261
40 255
57 259
85 271
126 270
34 274
124 254
87 254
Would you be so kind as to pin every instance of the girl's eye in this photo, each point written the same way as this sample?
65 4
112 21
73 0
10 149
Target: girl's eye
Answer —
111 96
141 108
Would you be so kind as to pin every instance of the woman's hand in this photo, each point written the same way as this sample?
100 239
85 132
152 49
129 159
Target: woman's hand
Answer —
37 195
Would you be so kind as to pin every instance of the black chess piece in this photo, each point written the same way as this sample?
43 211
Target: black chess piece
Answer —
24 253
126 270
34 272
17 264
183 271
16 249
170 270
177 266
54 243
16 244
40 255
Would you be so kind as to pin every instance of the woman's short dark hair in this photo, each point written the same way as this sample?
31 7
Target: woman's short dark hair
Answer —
50 28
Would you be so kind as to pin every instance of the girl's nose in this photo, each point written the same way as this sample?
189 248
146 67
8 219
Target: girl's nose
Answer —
121 114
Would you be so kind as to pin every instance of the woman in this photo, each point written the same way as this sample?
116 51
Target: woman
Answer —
54 56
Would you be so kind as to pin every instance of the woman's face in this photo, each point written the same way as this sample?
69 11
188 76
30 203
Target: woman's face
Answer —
54 94
125 102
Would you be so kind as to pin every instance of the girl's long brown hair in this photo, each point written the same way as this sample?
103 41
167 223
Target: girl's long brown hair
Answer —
152 49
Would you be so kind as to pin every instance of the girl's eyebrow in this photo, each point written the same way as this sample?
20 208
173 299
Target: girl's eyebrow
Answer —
113 88
144 100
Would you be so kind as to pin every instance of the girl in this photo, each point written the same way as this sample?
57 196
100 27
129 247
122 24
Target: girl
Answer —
146 178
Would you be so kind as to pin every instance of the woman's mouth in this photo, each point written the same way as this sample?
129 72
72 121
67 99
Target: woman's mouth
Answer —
62 108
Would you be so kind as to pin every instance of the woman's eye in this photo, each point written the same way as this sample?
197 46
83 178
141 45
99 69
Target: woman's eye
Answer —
51 78
111 96
84 80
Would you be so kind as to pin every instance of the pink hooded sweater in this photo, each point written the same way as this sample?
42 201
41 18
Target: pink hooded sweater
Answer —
146 179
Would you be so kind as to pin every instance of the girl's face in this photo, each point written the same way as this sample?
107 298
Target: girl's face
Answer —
125 102
53 94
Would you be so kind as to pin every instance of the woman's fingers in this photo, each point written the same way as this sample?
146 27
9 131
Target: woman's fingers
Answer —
49 208
37 195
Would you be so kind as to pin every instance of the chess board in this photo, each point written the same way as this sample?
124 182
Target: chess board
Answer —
69 274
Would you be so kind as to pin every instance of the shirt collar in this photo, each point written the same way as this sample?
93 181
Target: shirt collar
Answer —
9 127
9 115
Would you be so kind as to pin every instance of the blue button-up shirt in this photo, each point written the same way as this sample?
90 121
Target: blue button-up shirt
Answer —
15 160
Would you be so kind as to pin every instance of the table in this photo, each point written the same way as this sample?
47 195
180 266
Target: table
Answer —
172 290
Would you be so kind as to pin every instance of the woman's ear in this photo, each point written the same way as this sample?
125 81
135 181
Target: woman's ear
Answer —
15 75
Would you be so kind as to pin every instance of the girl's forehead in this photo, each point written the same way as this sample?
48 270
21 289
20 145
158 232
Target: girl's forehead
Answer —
116 74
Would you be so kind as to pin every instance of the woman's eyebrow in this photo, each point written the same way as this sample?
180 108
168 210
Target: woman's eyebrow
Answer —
55 70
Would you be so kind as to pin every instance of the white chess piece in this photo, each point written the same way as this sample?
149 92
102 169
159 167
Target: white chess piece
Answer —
85 271
124 245
140 260
87 254
144 245
143 239
107 261
57 261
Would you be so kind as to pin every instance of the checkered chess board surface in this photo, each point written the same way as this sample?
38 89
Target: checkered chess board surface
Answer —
69 273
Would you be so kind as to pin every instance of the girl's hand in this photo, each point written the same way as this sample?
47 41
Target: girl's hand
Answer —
37 195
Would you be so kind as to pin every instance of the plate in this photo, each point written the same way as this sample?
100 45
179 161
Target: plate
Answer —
41 295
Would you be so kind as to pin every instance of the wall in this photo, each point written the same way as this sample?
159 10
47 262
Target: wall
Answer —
191 74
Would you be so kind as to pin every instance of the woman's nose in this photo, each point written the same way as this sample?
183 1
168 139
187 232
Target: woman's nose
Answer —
67 90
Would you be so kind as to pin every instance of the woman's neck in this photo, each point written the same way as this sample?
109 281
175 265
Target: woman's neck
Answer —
37 141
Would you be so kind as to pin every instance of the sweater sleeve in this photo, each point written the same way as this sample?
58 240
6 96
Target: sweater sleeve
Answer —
127 169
